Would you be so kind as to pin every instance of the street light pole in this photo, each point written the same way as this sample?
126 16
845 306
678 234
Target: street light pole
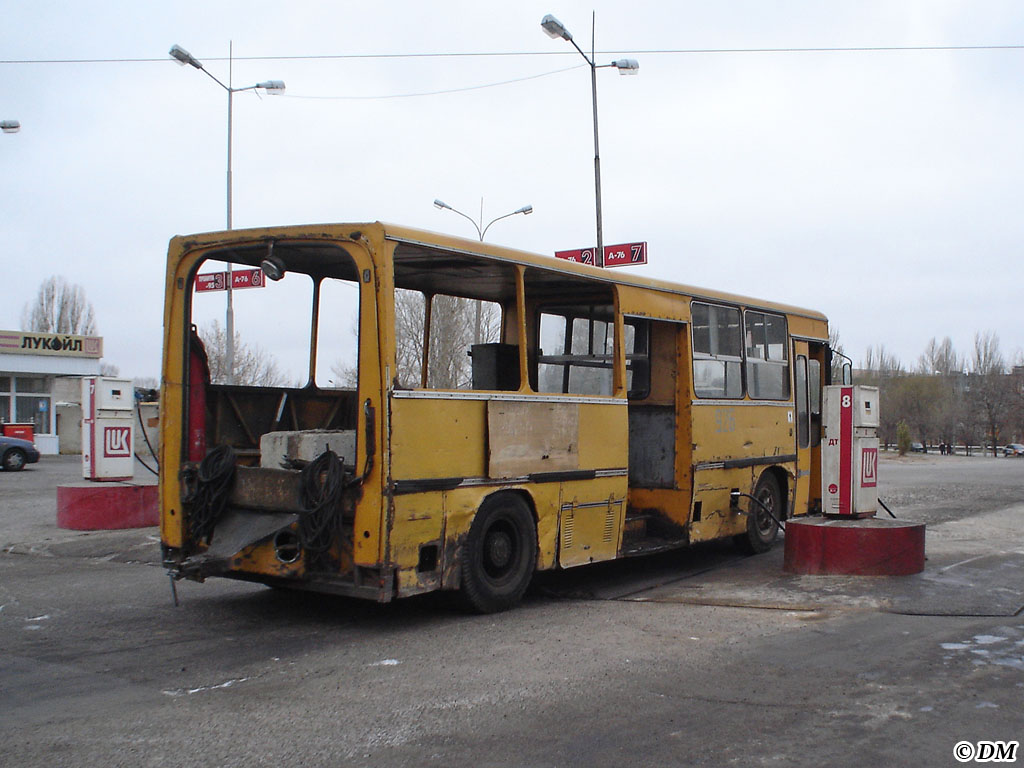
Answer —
554 29
481 231
271 87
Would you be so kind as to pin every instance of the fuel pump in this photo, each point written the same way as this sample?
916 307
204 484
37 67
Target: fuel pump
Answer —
108 435
849 455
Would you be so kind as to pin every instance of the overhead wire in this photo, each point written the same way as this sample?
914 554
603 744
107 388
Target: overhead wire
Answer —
436 93
494 54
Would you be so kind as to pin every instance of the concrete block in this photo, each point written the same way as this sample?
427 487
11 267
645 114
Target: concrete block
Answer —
279 447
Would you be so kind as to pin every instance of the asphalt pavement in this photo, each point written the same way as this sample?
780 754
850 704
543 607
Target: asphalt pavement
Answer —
700 657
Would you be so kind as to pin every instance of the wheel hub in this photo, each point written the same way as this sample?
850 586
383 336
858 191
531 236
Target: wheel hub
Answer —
499 549
764 519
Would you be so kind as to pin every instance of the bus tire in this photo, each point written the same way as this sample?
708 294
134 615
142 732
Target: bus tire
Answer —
499 554
761 529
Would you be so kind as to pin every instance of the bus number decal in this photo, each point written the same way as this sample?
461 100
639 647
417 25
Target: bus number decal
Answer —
725 420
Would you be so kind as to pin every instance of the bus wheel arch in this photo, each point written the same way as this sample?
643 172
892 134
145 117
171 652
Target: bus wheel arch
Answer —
499 554
762 531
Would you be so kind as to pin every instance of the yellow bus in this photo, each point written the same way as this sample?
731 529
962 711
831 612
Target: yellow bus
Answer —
578 415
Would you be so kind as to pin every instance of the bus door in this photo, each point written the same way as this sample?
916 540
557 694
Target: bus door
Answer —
659 431
807 396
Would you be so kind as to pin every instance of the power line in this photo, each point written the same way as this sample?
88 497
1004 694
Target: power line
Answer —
435 93
496 54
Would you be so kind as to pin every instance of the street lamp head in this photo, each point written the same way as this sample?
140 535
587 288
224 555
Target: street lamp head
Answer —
183 57
442 205
627 66
526 210
554 28
272 87
10 126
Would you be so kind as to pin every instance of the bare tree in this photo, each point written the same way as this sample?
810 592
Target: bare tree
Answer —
940 358
838 358
991 390
883 370
948 411
880 364
59 307
254 366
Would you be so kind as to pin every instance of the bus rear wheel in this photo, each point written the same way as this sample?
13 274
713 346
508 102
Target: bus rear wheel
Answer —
762 530
499 555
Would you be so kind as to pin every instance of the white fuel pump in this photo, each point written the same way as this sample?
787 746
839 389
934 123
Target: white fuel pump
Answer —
849 455
108 430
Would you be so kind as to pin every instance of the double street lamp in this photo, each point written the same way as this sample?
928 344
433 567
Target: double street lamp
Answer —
481 230
271 87
555 29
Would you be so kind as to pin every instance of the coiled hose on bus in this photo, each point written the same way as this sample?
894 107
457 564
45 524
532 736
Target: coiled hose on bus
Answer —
214 478
323 482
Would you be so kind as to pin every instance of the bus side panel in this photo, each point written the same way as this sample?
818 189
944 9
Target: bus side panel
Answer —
436 438
604 437
725 433
807 327
435 445
590 519
416 538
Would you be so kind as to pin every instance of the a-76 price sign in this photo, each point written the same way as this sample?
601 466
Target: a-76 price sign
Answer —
625 255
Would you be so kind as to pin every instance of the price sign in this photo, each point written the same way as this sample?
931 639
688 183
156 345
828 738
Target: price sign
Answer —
624 255
242 278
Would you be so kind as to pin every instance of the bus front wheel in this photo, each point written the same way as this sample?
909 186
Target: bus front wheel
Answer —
762 530
499 554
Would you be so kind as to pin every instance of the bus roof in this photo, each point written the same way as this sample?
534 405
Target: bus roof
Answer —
427 241
448 243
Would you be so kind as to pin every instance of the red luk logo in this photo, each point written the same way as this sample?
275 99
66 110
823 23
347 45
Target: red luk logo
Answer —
869 468
117 441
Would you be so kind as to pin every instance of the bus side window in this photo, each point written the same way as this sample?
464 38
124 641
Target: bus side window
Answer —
576 350
717 351
456 326
767 361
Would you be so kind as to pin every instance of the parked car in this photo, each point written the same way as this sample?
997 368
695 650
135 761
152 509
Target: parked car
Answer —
917 448
1013 449
15 453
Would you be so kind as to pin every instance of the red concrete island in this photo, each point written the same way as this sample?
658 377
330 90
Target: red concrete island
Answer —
90 506
854 547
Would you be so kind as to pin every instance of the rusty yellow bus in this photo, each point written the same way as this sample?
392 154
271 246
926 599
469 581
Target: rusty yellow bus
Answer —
498 413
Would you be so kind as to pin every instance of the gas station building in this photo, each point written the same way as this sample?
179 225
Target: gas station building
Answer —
31 367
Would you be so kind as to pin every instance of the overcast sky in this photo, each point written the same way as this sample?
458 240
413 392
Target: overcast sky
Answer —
880 187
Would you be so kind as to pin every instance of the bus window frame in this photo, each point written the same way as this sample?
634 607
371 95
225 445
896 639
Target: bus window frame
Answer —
713 356
605 361
750 363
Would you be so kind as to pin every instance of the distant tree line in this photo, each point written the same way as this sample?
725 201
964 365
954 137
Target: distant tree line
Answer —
948 397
